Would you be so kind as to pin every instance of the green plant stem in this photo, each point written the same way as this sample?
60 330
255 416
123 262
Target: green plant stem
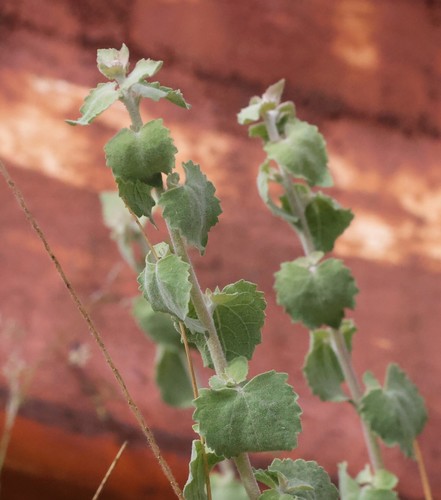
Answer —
339 344
242 461
132 105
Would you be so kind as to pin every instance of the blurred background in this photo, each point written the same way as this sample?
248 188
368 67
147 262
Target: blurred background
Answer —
368 73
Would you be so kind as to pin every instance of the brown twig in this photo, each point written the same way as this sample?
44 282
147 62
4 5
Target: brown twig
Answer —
95 334
109 471
422 470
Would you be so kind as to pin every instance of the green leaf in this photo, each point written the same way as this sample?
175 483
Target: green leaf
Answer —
195 488
137 196
351 489
326 221
266 173
142 155
322 369
99 99
249 114
239 314
156 91
274 92
165 284
172 377
237 369
302 153
266 477
145 68
315 294
300 477
396 412
275 495
192 208
158 326
261 415
113 63
227 487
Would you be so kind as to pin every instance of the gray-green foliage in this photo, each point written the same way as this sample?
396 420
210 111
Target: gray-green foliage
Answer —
366 486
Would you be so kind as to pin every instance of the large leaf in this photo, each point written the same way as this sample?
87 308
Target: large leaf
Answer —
326 221
172 377
313 293
141 155
395 412
239 314
195 487
192 208
165 284
137 196
261 415
302 153
98 100
298 479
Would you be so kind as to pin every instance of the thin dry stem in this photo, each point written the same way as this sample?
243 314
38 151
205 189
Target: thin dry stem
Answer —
109 471
95 334
423 472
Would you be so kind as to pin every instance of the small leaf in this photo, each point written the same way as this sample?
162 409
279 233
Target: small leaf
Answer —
141 155
165 284
261 415
239 314
145 68
172 377
192 208
326 221
302 153
384 480
315 294
322 369
350 489
266 477
227 487
99 99
263 179
157 325
249 114
397 412
137 196
113 63
156 91
274 92
237 369
303 480
195 488
370 381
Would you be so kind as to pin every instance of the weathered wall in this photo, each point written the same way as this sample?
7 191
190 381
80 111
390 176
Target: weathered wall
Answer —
367 71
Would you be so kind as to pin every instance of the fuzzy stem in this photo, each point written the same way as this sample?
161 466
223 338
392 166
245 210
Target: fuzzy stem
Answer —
242 461
132 105
339 344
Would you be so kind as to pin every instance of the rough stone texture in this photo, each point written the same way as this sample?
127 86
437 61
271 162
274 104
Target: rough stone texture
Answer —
367 72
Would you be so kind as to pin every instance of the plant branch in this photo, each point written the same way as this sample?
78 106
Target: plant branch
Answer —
423 472
109 471
95 334
339 344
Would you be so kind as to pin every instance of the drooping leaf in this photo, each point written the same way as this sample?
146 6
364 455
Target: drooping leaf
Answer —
172 377
300 480
156 91
137 196
99 99
142 155
322 369
263 179
145 68
315 294
261 415
113 63
157 325
227 487
302 153
326 221
396 412
195 487
165 284
239 314
192 208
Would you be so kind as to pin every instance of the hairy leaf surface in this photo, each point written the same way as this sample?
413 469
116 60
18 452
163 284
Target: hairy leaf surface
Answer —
145 68
141 155
302 153
261 415
137 196
156 91
395 412
172 377
99 99
315 294
192 208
